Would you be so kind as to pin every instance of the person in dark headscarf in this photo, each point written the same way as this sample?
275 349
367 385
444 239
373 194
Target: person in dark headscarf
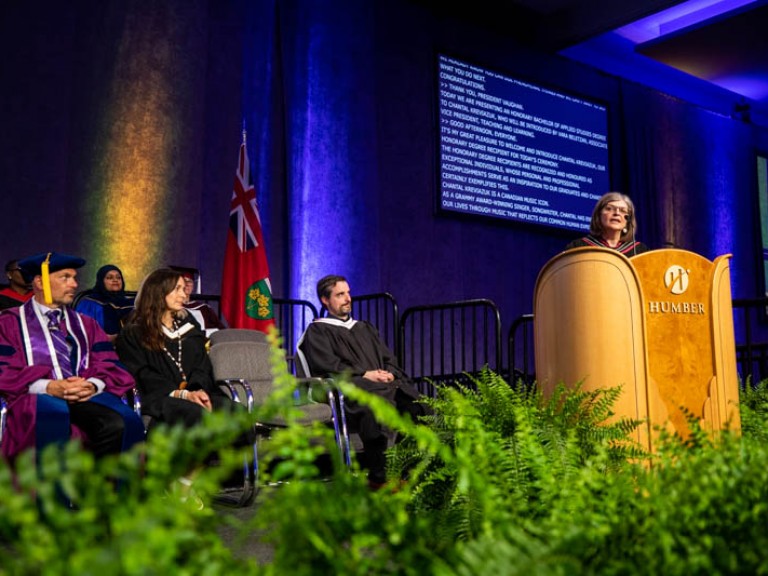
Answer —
107 302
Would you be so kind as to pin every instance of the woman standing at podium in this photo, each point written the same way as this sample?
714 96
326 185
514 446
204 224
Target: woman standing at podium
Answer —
612 226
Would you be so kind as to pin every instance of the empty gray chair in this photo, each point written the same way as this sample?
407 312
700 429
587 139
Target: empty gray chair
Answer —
244 368
354 442
237 335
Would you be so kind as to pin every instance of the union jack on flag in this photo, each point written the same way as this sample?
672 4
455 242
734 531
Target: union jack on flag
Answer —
244 213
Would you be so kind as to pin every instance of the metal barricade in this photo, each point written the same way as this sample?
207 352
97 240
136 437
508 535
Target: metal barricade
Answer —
381 310
292 316
520 352
444 343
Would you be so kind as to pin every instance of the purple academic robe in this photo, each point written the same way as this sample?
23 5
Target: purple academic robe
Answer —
25 356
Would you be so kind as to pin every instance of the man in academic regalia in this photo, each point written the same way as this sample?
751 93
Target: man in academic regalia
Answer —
340 344
58 369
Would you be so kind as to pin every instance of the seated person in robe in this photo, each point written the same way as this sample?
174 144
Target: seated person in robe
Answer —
18 291
205 315
164 348
59 371
107 302
340 344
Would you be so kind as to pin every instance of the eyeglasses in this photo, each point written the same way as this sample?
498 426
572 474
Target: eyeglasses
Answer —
15 270
615 209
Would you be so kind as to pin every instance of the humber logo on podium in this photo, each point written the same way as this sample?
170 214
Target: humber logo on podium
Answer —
676 280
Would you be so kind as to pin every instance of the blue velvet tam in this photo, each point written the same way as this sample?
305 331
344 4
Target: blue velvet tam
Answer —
32 266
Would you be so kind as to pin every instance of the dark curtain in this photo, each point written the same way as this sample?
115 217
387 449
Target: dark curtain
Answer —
123 120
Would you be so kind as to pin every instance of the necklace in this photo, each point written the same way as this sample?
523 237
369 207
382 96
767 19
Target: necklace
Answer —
177 359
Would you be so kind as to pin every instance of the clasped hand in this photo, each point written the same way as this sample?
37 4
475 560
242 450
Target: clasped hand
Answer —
379 376
72 389
199 397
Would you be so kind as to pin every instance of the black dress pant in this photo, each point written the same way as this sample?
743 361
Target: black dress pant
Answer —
373 435
103 427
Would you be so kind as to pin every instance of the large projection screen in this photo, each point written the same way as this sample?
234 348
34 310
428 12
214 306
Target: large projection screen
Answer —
518 151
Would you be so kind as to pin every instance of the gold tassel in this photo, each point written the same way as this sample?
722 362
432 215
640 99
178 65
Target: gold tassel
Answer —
46 280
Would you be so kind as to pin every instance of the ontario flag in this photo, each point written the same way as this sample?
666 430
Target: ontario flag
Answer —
246 294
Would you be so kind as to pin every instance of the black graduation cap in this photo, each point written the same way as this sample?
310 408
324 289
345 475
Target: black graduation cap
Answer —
45 263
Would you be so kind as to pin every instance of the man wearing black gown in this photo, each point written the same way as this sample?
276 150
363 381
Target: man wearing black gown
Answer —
339 344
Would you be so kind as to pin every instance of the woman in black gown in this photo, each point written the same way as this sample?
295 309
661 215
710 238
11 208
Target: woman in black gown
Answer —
165 350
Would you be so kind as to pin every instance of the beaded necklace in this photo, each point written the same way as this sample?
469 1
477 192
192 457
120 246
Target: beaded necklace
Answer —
177 359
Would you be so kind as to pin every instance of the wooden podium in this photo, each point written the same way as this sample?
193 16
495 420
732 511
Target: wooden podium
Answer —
660 324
